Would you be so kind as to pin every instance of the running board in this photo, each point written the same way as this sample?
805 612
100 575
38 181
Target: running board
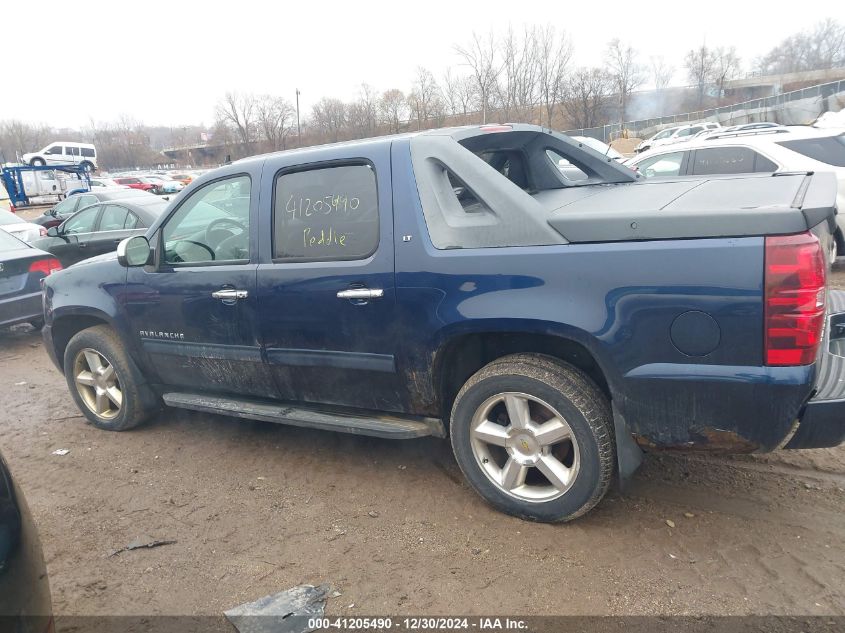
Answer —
387 426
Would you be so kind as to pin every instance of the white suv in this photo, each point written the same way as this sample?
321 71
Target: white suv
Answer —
675 135
64 153
779 149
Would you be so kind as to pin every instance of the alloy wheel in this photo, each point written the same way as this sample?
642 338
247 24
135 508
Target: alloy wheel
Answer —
97 383
525 447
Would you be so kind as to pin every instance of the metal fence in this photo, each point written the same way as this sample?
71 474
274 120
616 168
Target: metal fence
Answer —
763 109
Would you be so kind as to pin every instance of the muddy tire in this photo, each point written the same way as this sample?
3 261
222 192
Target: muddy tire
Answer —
534 437
105 383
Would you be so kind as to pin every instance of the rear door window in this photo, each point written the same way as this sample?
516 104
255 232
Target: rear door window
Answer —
827 149
723 160
88 152
328 213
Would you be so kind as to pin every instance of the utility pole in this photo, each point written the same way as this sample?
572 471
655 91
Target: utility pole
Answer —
298 129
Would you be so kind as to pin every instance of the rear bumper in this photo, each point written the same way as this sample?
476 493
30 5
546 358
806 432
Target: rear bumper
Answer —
20 309
822 423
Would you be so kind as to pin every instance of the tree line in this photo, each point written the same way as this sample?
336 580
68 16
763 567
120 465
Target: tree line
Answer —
519 75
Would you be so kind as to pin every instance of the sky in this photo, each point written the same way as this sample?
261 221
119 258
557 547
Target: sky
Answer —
168 63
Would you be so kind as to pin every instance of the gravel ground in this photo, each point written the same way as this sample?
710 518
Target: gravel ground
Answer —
256 508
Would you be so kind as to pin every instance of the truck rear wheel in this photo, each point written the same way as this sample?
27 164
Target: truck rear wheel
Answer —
534 437
35 162
105 383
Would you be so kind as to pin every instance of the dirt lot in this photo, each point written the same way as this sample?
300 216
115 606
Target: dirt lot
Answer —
256 508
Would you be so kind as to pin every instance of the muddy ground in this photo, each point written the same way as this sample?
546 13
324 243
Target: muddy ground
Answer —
256 508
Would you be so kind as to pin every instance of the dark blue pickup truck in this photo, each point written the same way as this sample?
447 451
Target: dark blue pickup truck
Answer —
461 282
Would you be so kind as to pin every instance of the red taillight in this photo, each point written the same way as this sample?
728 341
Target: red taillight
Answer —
45 266
795 298
42 232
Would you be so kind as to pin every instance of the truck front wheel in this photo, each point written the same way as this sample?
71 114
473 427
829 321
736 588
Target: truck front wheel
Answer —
534 437
35 162
105 383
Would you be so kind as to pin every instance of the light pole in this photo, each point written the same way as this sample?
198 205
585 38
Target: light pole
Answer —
298 129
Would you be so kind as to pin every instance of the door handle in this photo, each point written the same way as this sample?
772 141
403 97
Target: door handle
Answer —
230 294
361 293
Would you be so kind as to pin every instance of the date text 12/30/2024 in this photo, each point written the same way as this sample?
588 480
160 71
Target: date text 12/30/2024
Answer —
417 624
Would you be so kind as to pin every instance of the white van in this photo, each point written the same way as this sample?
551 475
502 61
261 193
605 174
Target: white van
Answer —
64 153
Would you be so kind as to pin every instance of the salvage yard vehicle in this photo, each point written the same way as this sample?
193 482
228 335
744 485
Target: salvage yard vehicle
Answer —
64 153
99 228
765 150
59 213
22 268
674 135
454 282
20 228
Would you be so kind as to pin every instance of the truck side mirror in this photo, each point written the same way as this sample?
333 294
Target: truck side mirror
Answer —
133 251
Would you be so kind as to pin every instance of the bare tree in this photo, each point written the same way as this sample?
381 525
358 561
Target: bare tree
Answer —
554 53
627 74
425 97
394 109
275 117
480 56
516 88
726 66
661 74
821 47
451 90
17 137
239 110
329 116
585 96
700 63
368 100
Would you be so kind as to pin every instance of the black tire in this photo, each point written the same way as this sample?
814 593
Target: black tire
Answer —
35 162
87 166
138 400
37 324
569 392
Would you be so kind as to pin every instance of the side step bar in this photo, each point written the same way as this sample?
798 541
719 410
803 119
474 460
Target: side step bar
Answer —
387 426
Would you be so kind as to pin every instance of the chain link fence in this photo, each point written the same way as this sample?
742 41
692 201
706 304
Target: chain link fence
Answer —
798 107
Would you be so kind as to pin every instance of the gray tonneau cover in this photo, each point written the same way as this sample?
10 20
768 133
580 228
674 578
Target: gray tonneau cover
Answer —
692 207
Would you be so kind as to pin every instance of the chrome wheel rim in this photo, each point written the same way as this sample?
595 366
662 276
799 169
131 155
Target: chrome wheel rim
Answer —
525 447
97 384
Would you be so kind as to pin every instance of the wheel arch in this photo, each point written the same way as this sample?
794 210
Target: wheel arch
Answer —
461 355
65 326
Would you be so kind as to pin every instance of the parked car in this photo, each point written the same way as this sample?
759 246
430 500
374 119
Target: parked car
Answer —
22 267
25 603
453 281
70 205
19 228
137 182
675 135
99 228
106 183
184 177
64 153
767 150
165 184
